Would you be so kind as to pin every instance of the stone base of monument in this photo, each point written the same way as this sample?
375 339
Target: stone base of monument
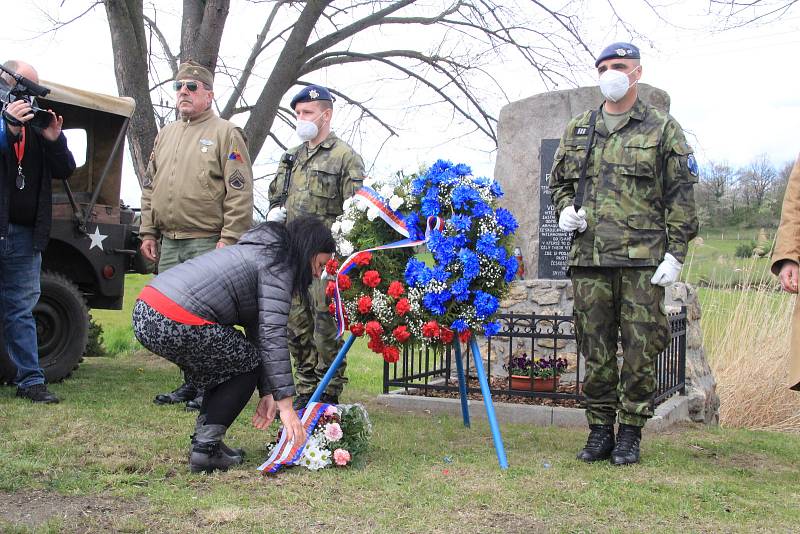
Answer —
672 411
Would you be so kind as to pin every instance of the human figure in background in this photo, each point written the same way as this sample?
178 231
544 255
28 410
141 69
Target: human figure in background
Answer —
315 178
631 237
198 190
30 158
785 262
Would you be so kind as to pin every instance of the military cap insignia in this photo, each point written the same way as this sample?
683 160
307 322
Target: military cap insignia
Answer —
237 180
621 52
313 94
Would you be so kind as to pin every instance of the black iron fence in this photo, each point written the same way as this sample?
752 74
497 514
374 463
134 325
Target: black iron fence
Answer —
423 371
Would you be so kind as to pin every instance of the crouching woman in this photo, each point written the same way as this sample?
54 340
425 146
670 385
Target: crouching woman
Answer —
188 315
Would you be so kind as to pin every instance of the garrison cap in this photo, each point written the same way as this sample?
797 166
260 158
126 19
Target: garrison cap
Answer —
192 70
311 93
620 50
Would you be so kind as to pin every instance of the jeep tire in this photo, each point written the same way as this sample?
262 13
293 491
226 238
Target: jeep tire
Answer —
62 326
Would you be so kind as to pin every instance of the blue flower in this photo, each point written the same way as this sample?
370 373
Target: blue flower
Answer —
495 189
417 273
460 289
412 223
443 248
418 185
491 329
485 304
471 266
506 221
440 274
462 169
462 223
459 325
511 266
430 202
487 245
463 196
436 301
481 208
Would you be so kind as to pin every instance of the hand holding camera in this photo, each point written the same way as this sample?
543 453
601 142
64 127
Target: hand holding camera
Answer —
21 111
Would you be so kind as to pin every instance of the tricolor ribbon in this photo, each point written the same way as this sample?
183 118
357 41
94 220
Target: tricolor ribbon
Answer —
393 219
286 453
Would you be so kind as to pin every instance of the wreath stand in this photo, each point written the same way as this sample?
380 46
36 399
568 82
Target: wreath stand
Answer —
462 389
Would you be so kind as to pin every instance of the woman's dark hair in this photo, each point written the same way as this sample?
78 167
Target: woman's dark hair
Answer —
304 238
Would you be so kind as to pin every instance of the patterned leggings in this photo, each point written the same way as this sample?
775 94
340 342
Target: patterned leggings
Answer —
208 354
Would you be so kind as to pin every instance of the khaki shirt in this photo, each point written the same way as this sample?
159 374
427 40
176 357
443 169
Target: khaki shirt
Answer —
199 182
321 179
639 197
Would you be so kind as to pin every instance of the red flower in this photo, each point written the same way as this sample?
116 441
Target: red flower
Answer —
371 278
364 304
391 354
363 259
344 282
374 329
376 345
357 329
332 266
430 329
401 333
330 289
465 335
402 307
396 289
332 308
446 335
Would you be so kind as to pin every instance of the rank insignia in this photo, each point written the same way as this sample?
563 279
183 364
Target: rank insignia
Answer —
581 130
237 180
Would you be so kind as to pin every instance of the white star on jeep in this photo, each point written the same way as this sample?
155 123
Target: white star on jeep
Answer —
97 239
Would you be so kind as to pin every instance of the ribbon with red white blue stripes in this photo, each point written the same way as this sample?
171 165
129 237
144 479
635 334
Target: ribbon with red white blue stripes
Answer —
288 453
387 214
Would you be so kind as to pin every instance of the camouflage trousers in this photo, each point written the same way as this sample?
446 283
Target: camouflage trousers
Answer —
612 304
313 343
176 251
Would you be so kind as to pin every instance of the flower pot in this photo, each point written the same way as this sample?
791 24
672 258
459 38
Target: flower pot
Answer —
523 383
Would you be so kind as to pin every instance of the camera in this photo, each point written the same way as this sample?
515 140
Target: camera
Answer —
26 90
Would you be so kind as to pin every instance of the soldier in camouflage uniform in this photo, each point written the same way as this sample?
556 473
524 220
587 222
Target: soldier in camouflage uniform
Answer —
314 179
630 241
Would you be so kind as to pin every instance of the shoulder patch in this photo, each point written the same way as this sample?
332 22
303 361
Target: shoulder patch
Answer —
237 180
691 163
581 130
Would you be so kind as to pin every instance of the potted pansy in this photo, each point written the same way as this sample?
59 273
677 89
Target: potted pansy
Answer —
535 374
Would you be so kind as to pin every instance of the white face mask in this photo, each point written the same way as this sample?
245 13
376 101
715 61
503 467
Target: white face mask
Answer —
306 130
614 84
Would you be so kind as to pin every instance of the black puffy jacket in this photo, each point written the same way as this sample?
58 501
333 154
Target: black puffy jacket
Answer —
232 286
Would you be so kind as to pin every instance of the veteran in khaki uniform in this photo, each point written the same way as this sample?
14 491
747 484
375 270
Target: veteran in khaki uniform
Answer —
314 178
198 190
631 237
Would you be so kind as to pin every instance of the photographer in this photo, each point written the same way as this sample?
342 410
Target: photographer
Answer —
31 155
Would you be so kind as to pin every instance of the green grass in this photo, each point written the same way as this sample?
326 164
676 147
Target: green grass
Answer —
108 459
117 330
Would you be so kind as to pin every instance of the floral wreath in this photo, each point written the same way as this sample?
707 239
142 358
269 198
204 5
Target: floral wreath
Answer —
397 297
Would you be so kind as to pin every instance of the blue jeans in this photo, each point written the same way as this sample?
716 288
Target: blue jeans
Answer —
19 293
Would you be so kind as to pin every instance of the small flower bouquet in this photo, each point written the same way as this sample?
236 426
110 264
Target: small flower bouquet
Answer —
523 369
339 437
396 297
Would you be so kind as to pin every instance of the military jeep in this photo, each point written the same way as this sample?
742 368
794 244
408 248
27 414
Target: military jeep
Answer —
94 238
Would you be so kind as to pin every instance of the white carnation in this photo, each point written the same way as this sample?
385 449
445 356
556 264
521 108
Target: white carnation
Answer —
347 226
335 227
372 213
345 247
395 202
386 191
369 182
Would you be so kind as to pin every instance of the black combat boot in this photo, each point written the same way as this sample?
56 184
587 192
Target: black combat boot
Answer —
599 444
184 392
329 399
300 401
201 420
207 455
627 448
196 403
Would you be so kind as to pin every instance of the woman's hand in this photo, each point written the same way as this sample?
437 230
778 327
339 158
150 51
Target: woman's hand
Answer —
291 423
265 412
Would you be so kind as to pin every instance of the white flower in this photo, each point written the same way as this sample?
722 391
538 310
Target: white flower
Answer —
386 191
345 247
369 182
347 226
395 202
372 213
348 203
335 227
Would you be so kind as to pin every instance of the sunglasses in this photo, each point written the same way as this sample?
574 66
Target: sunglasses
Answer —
177 85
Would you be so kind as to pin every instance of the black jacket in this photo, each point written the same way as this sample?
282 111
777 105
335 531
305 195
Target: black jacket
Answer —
57 163
232 286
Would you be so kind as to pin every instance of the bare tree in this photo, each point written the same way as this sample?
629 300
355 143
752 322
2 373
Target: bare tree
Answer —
738 13
716 180
757 180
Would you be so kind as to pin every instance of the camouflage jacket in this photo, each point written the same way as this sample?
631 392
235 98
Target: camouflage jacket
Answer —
199 182
639 197
321 179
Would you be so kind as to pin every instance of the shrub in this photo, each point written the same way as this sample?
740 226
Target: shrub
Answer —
745 250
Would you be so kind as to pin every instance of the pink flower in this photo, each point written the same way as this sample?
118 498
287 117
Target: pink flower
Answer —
330 411
341 457
333 432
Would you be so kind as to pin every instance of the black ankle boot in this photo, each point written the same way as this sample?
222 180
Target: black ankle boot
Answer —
207 455
196 403
184 392
627 449
201 420
599 444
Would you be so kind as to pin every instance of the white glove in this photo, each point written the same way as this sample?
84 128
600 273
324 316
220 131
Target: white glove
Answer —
569 220
277 214
667 272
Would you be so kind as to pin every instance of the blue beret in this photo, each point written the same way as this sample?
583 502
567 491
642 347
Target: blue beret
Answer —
311 93
621 50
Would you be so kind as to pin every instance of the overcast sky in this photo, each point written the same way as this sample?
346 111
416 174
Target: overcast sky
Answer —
737 93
